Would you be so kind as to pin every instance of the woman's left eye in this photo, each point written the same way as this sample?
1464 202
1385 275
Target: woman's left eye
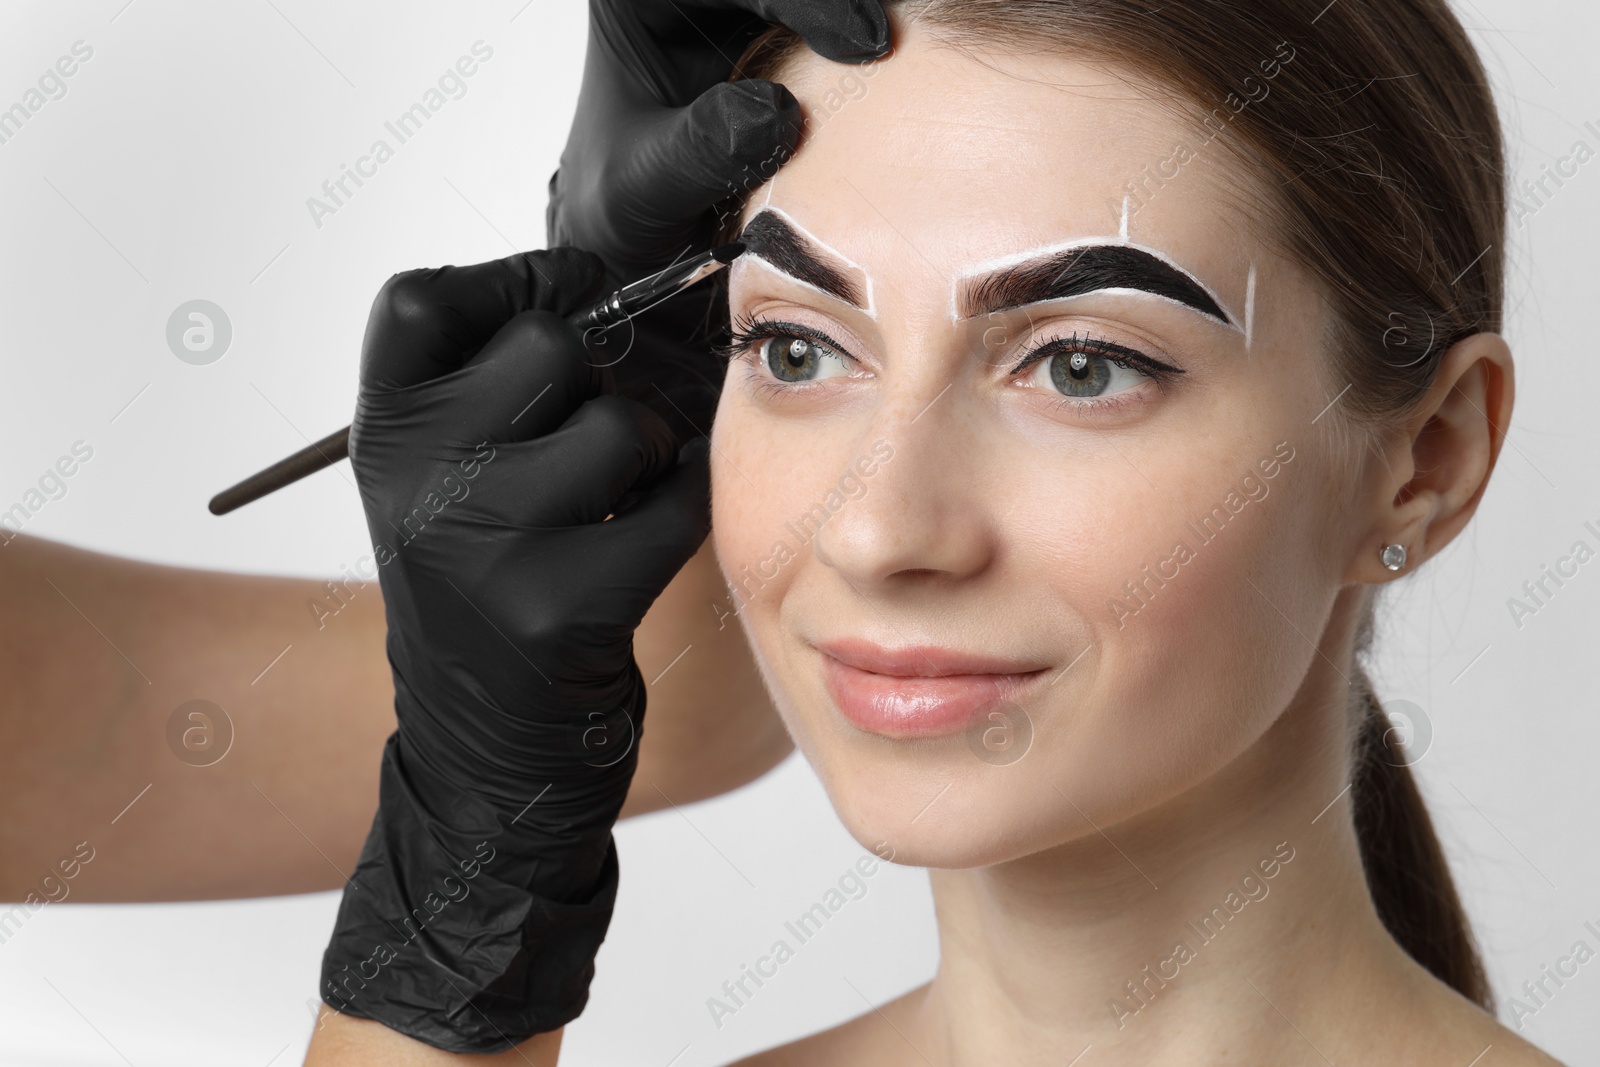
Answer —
1088 370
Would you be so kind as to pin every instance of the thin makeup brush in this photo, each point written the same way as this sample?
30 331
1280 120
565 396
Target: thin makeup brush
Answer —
614 310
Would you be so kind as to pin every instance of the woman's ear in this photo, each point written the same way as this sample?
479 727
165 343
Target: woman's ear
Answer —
1435 467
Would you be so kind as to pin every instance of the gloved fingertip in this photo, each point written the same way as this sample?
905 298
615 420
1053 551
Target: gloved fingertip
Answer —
552 210
695 450
751 121
573 276
854 31
575 265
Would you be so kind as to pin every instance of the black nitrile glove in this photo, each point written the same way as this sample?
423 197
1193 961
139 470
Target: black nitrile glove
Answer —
489 453
661 137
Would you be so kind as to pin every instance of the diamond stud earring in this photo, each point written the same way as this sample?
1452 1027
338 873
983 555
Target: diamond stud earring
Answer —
1393 556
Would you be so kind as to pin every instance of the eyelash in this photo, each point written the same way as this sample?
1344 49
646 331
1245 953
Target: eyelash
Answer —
748 332
1127 358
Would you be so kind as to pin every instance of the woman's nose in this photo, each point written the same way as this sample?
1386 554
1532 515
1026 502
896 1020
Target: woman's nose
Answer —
925 509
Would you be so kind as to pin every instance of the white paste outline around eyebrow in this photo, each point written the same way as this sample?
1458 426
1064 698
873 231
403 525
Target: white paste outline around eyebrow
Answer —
1044 251
756 261
1249 309
871 310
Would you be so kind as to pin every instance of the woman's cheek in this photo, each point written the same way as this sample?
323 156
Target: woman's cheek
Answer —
732 502
1206 634
755 471
755 483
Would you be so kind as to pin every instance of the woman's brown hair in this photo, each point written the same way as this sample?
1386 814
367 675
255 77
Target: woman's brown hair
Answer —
1372 129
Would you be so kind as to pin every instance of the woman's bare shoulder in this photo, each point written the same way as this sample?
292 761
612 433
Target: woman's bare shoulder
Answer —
875 1037
1452 1030
1506 1048
1503 1047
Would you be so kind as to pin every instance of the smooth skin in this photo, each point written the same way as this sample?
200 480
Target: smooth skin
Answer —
1177 749
98 651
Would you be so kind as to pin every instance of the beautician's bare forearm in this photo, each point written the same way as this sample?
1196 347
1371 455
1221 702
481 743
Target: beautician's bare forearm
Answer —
340 1041
98 652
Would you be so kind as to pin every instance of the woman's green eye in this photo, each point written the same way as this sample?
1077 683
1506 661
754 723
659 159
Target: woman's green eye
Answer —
798 359
1078 374
1085 376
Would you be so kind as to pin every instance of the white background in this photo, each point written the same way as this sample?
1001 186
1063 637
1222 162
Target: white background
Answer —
177 167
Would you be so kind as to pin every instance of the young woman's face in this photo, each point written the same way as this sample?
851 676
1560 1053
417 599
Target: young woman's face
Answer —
1024 499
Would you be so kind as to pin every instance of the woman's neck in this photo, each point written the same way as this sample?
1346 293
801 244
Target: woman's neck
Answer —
1223 926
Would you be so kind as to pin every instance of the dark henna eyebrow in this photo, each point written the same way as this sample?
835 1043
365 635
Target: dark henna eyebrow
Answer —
774 240
1077 271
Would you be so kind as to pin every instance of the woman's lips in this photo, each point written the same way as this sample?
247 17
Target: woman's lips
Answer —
917 692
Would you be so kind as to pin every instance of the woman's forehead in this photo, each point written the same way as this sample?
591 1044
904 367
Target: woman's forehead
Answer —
948 159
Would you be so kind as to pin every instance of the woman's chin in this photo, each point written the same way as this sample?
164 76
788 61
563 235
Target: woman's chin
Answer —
988 818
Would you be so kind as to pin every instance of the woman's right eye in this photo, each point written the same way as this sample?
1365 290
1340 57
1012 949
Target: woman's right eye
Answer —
799 359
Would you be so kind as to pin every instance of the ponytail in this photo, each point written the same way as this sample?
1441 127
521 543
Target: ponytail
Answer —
1407 875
